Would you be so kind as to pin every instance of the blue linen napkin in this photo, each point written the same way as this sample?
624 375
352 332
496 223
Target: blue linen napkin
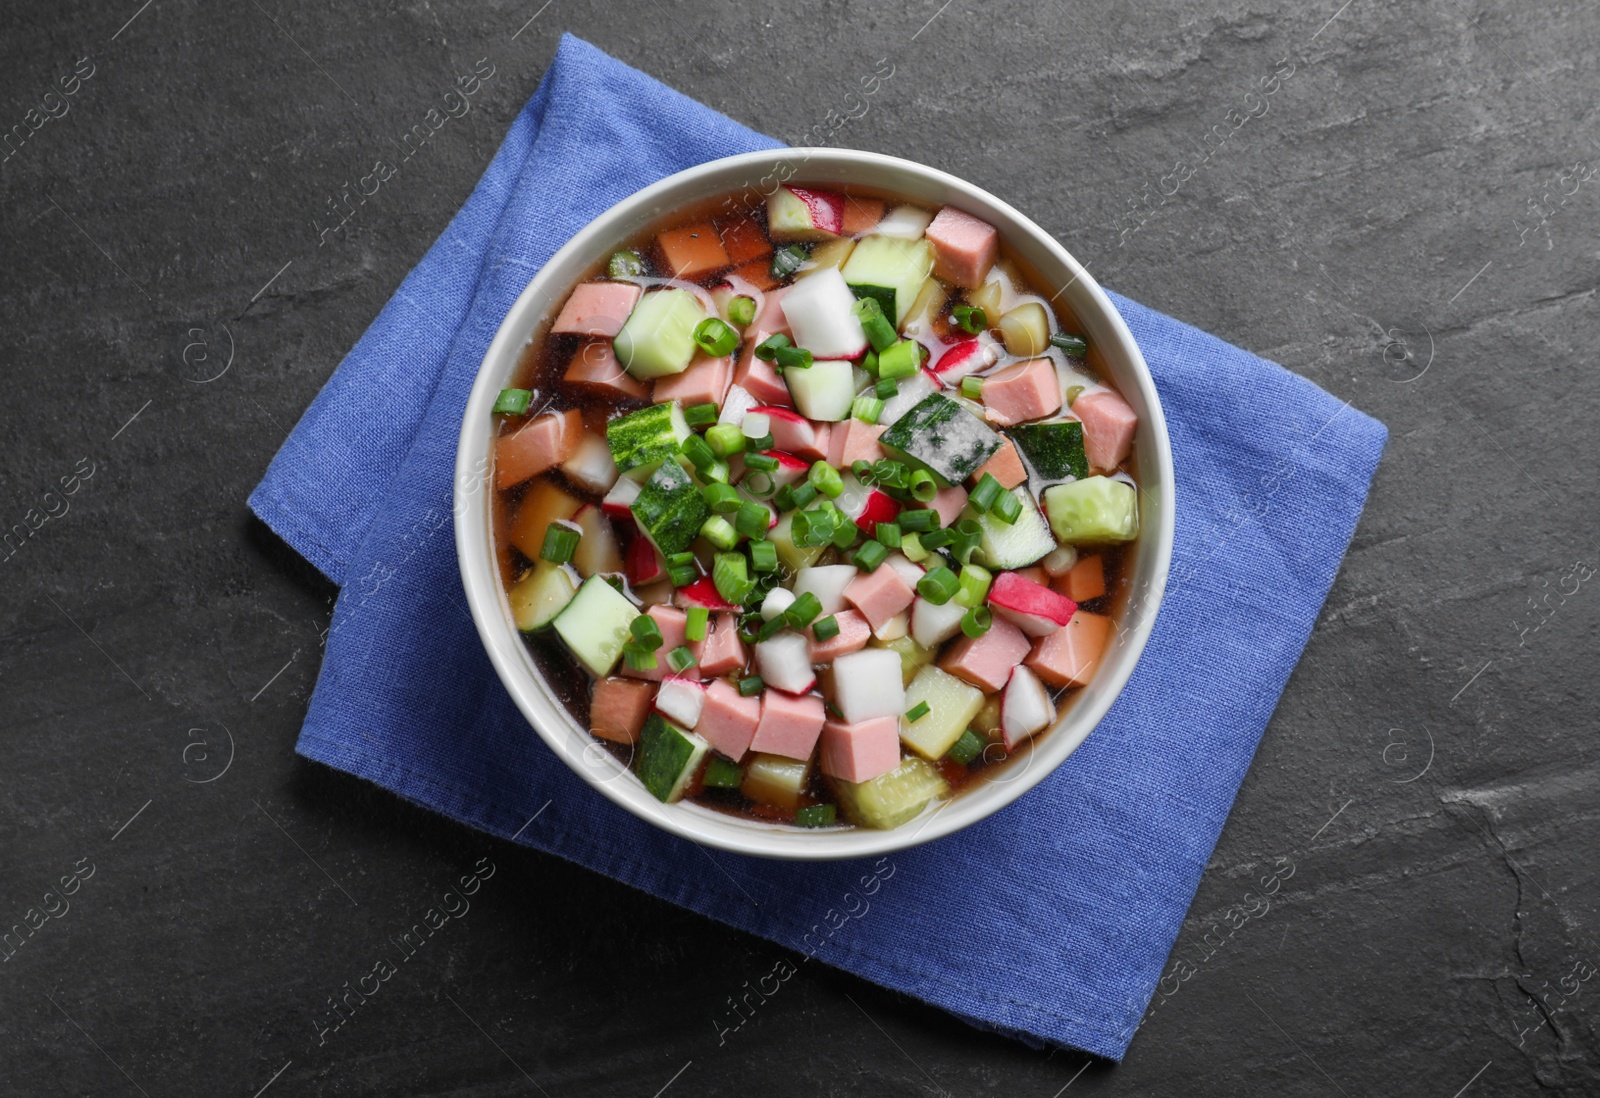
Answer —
1069 900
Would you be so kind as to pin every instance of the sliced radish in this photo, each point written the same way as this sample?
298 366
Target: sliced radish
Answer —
792 431
970 356
755 424
777 601
597 550
821 314
590 467
907 571
827 582
790 468
619 501
1025 707
785 662
804 213
735 405
911 392
644 562
680 701
868 506
702 592
932 625
906 222
1031 607
824 391
868 684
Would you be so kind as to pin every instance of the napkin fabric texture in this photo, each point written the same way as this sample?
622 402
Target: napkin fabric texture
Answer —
1050 921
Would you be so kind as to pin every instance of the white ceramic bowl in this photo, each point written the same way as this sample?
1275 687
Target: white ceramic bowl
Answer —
1113 353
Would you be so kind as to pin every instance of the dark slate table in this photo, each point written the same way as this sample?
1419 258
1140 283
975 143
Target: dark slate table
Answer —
1407 217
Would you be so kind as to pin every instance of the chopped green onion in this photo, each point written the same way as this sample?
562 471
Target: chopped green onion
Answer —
890 473
719 532
698 451
984 495
717 472
767 349
966 536
722 773
919 521
758 484
862 468
750 686
869 363
680 659
911 546
888 533
972 388
815 815
682 569
694 625
886 387
825 479
764 463
804 492
793 358
976 622
625 264
901 359
923 486
935 539
825 628
724 499
803 611
764 442
974 585
725 440
713 336
742 310
1008 508
968 746
918 711
970 318
513 402
645 632
752 520
639 659
867 409
870 555
770 629
787 260
938 585
560 542
806 527
1074 346
783 499
700 415
1073 393
844 531
731 578
880 333
764 556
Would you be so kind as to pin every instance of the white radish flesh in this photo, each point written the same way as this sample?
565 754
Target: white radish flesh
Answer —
590 467
1025 707
735 405
932 625
777 601
867 684
827 583
680 701
906 222
820 314
785 662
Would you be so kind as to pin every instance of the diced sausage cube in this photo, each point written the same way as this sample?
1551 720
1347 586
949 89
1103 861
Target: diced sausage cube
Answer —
693 251
1027 390
722 651
757 272
861 214
1070 655
1086 580
728 721
964 248
853 635
879 595
986 661
789 724
854 441
759 378
1005 465
542 443
862 751
772 319
704 382
619 708
595 366
671 621
949 503
596 309
1108 426
744 240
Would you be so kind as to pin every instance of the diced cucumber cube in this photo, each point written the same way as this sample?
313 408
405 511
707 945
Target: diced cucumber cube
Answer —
540 595
941 436
640 441
595 623
657 339
792 555
823 392
891 799
890 269
1018 544
670 509
668 758
775 780
1093 511
951 706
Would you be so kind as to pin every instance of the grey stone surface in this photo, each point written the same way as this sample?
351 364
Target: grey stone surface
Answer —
1403 224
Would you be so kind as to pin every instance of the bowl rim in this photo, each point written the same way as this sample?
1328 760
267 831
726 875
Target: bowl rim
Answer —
576 747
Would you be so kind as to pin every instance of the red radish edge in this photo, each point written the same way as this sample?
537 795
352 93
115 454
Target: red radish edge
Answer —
702 592
644 562
825 207
1022 597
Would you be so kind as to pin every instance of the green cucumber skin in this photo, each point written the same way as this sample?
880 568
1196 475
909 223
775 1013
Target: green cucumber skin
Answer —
940 435
644 439
594 625
1055 450
667 756
670 509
